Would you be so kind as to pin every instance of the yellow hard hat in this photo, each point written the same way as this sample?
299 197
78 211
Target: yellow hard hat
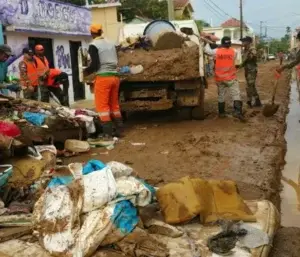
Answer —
94 28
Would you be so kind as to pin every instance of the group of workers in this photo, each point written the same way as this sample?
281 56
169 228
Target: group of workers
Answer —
36 76
37 80
226 73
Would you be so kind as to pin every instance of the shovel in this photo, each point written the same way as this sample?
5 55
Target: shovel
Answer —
270 109
190 32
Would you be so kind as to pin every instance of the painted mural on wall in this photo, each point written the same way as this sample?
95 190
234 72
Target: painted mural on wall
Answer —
45 16
63 58
104 2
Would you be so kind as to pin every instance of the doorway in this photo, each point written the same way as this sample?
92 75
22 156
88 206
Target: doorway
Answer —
78 87
48 46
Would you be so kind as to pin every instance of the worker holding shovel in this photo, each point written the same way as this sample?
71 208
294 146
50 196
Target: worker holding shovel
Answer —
294 63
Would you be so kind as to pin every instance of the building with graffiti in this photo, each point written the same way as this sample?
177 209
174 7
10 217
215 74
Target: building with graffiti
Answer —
61 28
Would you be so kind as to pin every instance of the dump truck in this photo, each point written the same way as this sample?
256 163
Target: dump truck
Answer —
172 74
172 77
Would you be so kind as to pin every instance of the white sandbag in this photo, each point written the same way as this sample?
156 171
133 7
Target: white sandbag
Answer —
119 169
134 190
96 226
56 217
99 189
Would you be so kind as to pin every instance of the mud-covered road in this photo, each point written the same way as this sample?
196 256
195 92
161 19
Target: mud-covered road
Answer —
250 153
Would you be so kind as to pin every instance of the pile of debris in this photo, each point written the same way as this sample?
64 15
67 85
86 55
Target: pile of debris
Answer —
94 209
25 123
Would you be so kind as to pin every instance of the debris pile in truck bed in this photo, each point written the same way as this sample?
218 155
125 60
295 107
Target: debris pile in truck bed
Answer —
162 65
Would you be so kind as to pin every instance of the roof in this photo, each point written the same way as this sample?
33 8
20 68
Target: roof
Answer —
180 4
232 23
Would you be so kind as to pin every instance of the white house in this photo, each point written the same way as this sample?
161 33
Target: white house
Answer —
61 28
230 28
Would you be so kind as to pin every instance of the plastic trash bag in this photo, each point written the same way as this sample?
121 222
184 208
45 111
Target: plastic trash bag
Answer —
36 119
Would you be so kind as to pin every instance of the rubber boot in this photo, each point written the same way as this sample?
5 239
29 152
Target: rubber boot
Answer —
119 127
238 110
221 107
257 102
107 128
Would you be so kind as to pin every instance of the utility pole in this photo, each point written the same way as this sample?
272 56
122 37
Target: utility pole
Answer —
241 18
171 10
266 31
261 28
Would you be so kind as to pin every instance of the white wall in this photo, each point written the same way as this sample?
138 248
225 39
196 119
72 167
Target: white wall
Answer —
61 53
234 33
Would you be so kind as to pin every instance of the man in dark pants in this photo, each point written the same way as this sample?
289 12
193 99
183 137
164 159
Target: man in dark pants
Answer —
250 65
56 78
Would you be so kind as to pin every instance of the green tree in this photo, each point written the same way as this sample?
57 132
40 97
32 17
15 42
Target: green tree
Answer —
201 24
152 9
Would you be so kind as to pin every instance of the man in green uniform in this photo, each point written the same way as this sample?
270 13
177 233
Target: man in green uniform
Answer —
293 63
250 65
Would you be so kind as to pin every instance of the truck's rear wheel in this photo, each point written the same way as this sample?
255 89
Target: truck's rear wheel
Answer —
198 112
184 113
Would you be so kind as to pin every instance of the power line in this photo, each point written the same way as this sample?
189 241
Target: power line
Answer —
213 10
212 2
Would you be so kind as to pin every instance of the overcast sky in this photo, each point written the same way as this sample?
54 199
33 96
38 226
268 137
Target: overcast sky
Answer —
276 14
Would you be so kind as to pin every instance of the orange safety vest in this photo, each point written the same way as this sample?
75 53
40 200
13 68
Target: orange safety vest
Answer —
225 64
32 74
42 67
52 74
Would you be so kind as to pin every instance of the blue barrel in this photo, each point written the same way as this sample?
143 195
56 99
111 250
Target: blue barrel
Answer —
157 27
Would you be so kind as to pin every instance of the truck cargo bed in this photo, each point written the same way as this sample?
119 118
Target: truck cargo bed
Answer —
162 65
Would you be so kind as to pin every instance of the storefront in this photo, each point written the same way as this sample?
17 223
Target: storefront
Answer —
61 28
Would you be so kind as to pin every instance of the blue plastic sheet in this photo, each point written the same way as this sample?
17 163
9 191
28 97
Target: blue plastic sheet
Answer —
125 217
91 166
36 119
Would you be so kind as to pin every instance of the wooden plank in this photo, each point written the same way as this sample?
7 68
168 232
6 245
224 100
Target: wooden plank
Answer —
13 233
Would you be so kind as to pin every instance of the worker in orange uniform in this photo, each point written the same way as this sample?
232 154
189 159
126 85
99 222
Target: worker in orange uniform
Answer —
225 75
29 77
104 62
43 71
56 78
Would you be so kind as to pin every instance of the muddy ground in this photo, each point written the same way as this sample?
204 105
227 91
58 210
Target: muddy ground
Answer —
250 153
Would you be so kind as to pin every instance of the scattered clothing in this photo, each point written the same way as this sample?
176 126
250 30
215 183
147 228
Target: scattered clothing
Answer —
36 119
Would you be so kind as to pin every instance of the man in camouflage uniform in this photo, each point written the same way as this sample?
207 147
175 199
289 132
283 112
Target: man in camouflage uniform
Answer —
250 65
